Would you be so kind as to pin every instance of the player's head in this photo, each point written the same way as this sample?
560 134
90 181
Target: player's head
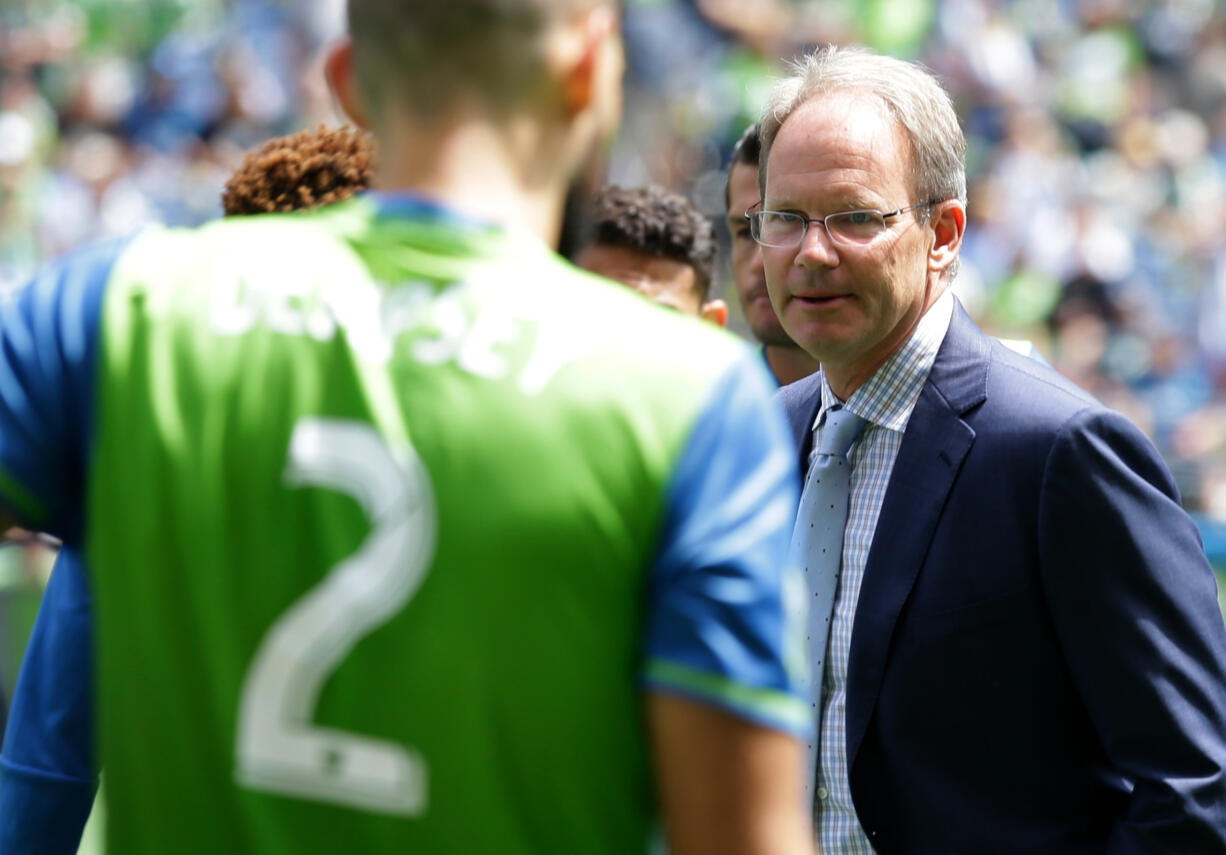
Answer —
657 243
488 56
537 81
301 170
741 196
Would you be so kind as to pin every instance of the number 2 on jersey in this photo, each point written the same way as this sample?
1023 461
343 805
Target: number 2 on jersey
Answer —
278 748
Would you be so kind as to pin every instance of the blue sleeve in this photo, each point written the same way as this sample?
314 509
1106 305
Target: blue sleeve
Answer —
726 617
47 772
48 341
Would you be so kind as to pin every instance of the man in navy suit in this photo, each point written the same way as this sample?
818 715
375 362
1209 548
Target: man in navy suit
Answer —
1024 650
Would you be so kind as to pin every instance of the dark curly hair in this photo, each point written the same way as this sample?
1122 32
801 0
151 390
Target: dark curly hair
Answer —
301 170
748 150
656 222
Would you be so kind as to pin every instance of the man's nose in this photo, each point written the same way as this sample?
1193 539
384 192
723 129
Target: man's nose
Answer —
816 249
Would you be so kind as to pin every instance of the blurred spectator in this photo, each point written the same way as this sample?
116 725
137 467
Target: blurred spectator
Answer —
301 170
787 362
655 242
113 115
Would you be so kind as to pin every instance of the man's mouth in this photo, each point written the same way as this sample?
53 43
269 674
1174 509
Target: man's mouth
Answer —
822 301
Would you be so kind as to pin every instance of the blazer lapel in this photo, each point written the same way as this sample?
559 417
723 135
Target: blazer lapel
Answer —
801 401
936 442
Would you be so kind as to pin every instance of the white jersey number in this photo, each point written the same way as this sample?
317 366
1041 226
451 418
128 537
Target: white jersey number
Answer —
278 748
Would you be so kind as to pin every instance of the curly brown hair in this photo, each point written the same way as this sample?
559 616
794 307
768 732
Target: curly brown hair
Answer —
659 222
301 170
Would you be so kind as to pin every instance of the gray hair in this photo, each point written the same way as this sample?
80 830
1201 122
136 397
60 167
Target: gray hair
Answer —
909 93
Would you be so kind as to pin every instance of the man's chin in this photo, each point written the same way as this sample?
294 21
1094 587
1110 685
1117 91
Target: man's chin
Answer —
775 338
770 332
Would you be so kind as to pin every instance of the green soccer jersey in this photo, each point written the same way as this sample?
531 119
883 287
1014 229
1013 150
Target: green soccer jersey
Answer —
391 519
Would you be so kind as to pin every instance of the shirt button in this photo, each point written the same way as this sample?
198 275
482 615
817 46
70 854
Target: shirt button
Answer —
823 793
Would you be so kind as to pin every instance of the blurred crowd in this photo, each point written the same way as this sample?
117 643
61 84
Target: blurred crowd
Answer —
1097 135
114 113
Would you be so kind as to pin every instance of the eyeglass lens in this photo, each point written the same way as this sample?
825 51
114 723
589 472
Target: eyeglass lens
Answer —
850 228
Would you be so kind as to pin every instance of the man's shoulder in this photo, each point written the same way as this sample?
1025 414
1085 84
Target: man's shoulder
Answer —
1028 408
980 370
1027 386
291 238
159 257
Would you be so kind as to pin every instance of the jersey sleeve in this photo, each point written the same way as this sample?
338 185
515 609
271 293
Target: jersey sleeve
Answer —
47 768
726 613
48 338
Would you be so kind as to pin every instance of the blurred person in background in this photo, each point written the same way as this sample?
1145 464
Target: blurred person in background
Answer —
301 170
298 359
1015 632
48 771
657 243
787 361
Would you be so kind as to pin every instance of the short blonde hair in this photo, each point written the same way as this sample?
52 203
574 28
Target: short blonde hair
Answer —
434 55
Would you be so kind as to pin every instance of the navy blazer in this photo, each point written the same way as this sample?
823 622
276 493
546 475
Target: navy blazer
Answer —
1038 662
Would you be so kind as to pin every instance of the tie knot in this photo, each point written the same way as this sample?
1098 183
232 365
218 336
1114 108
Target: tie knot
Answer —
839 432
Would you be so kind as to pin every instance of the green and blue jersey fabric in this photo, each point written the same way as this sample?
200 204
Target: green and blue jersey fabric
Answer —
389 517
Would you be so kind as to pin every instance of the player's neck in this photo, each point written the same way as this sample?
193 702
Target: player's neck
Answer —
789 364
483 172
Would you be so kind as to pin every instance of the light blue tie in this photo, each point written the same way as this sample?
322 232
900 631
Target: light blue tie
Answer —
817 539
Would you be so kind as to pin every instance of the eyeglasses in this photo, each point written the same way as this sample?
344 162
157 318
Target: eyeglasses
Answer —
846 228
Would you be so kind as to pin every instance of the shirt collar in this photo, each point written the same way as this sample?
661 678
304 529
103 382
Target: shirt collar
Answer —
889 396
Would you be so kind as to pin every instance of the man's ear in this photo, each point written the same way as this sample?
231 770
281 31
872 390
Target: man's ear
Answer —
948 224
342 80
582 57
715 311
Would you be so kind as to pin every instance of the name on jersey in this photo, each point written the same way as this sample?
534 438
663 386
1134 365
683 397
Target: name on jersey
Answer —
436 324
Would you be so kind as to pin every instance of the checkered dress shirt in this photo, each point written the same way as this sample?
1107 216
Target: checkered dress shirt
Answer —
885 402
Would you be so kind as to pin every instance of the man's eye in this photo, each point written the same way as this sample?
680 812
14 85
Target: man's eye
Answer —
860 218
